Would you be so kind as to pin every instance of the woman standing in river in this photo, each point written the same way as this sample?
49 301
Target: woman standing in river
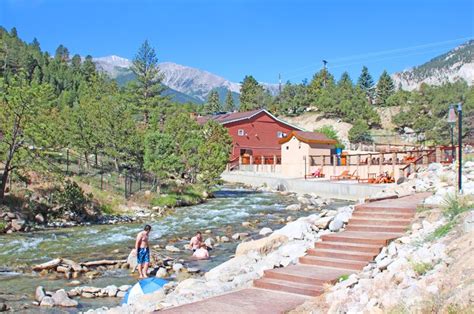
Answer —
143 251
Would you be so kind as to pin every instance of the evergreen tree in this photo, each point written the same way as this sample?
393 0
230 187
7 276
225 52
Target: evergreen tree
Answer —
213 104
385 88
359 133
229 105
250 94
366 83
148 87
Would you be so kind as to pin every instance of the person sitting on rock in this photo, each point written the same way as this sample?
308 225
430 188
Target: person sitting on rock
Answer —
196 241
201 252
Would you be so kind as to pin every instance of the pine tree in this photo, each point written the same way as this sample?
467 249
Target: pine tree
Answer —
250 94
213 104
229 105
385 88
366 83
148 85
345 81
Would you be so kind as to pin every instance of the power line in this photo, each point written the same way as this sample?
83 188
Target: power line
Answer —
384 52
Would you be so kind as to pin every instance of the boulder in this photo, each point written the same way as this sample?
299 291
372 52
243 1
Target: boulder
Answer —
161 273
210 242
265 231
323 222
90 290
336 224
87 295
293 207
4 307
240 235
262 246
61 298
124 288
296 229
193 270
172 248
111 290
224 239
47 302
246 224
39 293
121 294
39 218
177 267
18 224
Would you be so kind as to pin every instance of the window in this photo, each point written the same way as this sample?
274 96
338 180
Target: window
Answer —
280 134
241 132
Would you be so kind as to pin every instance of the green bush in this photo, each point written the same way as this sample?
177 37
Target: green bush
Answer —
3 226
454 205
422 268
73 200
330 133
169 200
343 277
359 133
440 231
107 209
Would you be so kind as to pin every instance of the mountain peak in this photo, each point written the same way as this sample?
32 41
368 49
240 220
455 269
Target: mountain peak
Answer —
454 65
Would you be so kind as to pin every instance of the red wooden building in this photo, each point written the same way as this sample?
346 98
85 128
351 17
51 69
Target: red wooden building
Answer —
254 133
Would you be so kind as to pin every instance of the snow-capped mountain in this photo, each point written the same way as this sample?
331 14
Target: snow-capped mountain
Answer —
457 64
193 82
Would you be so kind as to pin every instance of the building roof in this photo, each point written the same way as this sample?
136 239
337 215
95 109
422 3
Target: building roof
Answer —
226 118
308 137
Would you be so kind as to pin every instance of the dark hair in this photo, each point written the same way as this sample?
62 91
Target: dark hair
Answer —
199 232
147 228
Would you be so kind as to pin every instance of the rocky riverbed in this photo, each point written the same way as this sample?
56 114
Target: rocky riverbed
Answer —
234 216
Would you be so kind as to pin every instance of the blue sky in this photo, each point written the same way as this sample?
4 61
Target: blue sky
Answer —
233 38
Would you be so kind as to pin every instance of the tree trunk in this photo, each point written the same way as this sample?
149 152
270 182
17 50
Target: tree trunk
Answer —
3 183
86 157
116 164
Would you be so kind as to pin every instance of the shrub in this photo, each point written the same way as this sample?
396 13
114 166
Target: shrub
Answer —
343 277
169 200
440 231
330 133
454 205
75 202
359 133
422 268
3 226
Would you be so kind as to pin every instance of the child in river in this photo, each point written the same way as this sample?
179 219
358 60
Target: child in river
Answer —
201 252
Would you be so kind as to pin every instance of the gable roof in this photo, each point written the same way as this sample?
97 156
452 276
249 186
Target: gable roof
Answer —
309 138
226 118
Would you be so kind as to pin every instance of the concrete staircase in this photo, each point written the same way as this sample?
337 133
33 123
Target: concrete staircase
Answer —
372 226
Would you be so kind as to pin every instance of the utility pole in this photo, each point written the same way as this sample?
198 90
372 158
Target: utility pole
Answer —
460 148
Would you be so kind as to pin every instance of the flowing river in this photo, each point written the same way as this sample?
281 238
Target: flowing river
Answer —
223 215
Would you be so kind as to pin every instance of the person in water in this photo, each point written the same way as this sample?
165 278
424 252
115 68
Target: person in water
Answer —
201 252
196 241
143 251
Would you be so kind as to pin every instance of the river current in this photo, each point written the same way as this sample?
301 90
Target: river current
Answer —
223 215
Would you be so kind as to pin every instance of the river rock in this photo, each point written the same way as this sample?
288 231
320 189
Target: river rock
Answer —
172 248
323 222
193 270
18 224
210 242
161 273
61 298
4 307
111 290
39 293
265 231
262 246
293 207
246 224
224 239
90 290
124 288
47 302
121 294
336 224
92 274
39 218
240 235
177 267
87 295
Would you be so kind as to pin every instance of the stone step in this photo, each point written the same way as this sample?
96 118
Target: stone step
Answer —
381 215
345 246
307 274
372 228
288 286
378 221
348 255
373 238
375 207
332 262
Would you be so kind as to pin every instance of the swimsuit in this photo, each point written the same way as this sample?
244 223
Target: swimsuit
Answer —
143 255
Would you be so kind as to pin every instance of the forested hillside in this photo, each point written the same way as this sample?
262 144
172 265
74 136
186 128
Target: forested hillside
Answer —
50 103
